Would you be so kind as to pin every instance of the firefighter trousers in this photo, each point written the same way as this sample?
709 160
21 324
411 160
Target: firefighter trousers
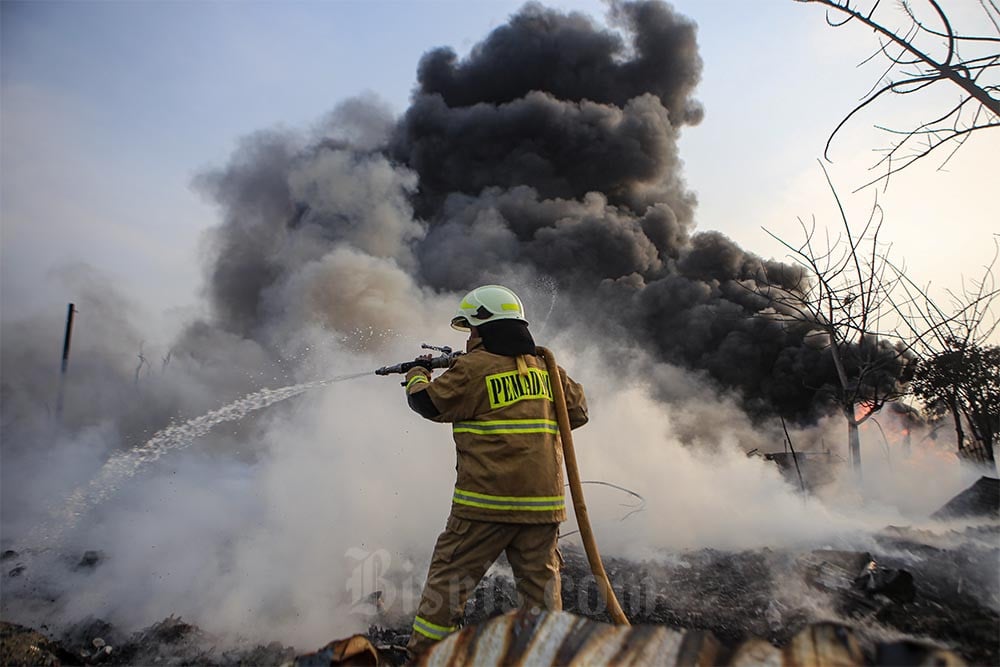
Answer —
463 554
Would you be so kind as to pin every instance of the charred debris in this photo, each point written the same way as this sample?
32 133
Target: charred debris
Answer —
913 601
914 597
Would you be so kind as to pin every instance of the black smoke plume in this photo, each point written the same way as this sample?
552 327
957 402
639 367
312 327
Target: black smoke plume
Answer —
550 150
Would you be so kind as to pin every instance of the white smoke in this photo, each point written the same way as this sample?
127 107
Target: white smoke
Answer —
280 529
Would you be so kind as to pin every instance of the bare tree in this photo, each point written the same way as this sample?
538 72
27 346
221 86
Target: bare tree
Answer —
922 52
959 371
842 295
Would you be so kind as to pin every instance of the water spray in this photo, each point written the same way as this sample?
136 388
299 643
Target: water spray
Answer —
125 465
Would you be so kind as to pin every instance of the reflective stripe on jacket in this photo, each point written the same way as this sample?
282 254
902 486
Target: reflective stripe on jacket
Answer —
510 465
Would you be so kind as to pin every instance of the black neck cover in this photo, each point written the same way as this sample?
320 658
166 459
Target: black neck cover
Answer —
507 337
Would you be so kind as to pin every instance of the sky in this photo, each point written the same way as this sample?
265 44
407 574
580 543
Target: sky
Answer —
111 109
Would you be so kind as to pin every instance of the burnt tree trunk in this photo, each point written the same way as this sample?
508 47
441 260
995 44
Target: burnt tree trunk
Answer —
957 416
853 441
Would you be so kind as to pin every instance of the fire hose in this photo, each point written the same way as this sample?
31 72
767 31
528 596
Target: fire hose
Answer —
576 491
569 457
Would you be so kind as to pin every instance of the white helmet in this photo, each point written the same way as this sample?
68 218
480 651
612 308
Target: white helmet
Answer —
487 304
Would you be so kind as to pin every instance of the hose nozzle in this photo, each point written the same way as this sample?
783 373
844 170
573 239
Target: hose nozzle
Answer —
442 361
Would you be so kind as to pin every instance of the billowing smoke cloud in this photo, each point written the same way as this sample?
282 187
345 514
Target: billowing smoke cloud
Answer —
546 159
549 151
557 103
552 149
568 56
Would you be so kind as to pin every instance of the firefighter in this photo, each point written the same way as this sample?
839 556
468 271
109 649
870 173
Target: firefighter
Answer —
509 494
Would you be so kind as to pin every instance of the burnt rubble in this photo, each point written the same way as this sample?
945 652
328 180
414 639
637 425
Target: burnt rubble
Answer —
898 602
982 499
774 595
170 643
23 646
912 595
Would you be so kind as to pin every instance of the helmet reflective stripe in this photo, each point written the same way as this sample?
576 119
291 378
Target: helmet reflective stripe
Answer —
487 304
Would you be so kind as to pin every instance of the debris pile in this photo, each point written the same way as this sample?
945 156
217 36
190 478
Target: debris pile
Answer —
905 605
913 596
169 643
23 646
982 499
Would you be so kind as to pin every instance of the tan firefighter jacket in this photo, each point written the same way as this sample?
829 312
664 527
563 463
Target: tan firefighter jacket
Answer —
510 462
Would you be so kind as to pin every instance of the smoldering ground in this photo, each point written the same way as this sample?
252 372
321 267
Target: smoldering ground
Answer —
341 249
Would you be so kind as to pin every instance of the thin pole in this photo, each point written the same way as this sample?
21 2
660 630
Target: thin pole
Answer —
795 458
70 312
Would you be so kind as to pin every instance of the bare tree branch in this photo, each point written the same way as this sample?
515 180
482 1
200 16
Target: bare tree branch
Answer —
916 69
846 294
958 368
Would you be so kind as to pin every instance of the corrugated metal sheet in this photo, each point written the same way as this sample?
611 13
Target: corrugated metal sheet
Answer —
526 638
561 638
